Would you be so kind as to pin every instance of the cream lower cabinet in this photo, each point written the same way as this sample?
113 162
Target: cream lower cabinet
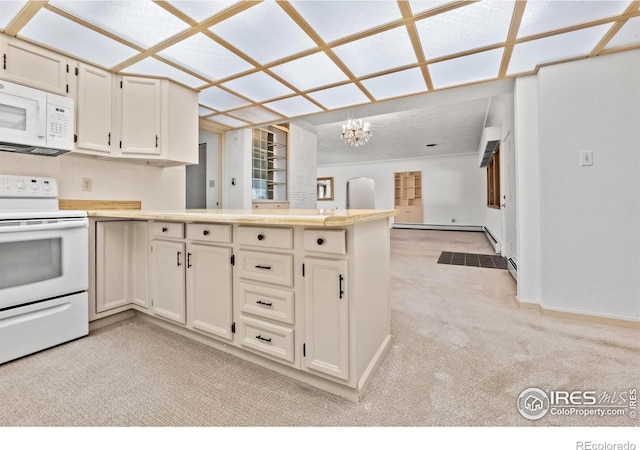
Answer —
326 347
168 258
121 264
209 305
192 278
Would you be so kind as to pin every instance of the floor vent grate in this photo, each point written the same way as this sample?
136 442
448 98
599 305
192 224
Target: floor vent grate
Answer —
473 260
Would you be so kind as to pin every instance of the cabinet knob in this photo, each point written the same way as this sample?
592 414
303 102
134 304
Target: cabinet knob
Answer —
165 229
260 237
320 241
206 232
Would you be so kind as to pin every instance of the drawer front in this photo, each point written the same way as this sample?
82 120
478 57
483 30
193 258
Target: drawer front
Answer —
267 267
326 241
270 339
167 229
266 237
271 205
270 303
209 232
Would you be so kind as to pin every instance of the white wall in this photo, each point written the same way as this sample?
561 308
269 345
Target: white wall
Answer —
527 133
237 164
589 216
302 154
156 187
453 187
213 165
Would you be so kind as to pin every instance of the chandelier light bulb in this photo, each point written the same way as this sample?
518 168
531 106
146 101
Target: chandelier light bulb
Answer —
356 132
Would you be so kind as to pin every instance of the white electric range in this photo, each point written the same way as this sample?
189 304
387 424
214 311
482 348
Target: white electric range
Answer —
43 268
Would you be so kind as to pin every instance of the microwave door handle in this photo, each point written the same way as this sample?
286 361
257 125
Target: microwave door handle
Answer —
42 119
59 225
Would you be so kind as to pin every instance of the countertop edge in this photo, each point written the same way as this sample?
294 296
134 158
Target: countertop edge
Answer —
249 217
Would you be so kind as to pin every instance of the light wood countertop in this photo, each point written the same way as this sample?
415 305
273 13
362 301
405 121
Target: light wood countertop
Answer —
306 217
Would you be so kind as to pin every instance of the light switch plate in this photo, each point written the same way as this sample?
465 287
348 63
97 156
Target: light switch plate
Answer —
586 158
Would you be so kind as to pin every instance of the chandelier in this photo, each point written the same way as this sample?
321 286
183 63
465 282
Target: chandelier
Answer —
356 132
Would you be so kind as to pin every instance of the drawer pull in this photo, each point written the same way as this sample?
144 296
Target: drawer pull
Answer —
260 237
263 267
165 229
320 241
260 302
263 339
206 232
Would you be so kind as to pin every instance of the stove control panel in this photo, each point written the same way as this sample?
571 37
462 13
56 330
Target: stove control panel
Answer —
18 186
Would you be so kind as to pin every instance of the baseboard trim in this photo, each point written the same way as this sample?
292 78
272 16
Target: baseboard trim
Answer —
601 320
110 320
426 226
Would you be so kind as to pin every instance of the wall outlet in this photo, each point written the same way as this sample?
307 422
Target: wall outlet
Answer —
453 220
586 158
87 184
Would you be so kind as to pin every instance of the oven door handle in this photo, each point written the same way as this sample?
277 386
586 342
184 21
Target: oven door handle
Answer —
63 224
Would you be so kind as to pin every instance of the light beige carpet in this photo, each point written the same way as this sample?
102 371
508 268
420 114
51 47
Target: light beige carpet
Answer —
462 352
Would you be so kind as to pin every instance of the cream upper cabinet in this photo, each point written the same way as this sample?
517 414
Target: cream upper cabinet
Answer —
140 116
94 111
33 66
326 317
209 302
157 121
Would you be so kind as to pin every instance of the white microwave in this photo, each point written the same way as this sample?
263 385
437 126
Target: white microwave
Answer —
34 121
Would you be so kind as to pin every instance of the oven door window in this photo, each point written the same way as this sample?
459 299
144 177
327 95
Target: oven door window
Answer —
27 262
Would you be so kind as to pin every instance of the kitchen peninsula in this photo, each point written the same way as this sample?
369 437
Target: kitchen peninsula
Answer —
302 292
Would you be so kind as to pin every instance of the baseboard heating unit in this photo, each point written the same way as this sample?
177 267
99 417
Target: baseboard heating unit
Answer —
494 242
426 226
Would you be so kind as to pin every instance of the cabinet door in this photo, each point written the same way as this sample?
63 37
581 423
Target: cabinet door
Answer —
169 280
94 109
327 317
209 289
140 116
34 66
113 262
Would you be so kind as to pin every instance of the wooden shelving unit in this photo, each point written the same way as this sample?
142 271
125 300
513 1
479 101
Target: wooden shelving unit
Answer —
269 166
408 197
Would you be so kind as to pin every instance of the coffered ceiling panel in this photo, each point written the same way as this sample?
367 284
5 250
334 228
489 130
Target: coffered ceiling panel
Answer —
540 17
396 84
528 55
260 62
311 71
465 28
202 55
54 31
8 10
629 35
135 21
293 106
258 86
152 67
377 53
199 10
479 66
220 99
340 96
333 20
264 32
